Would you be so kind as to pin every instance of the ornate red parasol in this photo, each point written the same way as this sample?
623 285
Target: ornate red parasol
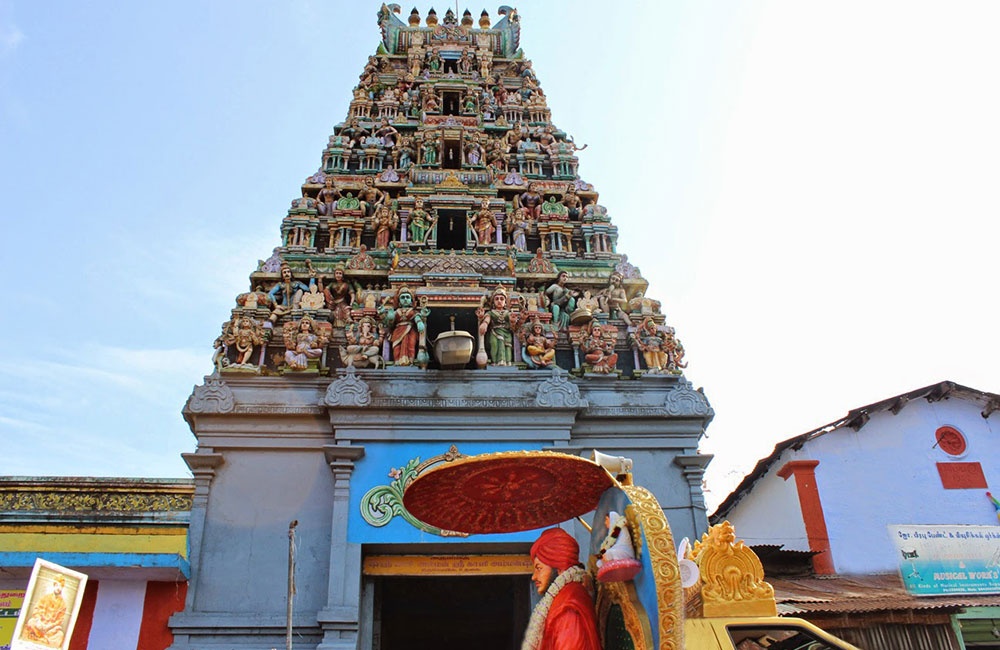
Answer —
506 492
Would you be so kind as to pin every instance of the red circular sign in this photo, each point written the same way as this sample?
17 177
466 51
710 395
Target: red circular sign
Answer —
951 441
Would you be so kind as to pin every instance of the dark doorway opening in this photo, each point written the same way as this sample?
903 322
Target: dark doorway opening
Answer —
451 233
452 155
451 104
452 613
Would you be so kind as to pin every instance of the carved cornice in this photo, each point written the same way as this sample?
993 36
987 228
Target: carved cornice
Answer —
559 392
685 401
214 397
349 390
111 498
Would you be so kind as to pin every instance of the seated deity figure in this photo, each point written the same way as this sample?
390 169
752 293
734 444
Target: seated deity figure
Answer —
302 343
49 615
614 300
371 197
539 348
616 558
562 300
573 203
387 134
364 344
599 350
287 293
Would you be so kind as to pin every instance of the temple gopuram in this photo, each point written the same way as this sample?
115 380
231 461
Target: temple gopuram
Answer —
446 284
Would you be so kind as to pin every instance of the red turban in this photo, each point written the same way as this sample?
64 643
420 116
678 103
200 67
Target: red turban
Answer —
556 548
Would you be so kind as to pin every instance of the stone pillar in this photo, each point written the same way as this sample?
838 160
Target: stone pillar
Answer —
202 465
340 618
693 466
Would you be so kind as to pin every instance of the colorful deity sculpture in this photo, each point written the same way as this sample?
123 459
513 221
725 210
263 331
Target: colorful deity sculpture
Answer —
338 296
304 341
421 222
286 293
613 299
407 324
598 347
661 350
496 329
483 224
384 222
518 224
364 343
242 335
538 345
562 300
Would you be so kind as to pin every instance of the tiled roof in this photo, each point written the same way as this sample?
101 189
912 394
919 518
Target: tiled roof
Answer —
855 418
860 594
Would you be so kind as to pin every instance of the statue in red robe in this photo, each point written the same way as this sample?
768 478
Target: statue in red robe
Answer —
564 619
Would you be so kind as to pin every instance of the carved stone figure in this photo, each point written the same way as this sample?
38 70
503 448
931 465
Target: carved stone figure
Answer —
614 300
370 196
538 345
242 335
539 264
312 299
362 261
302 343
517 229
421 222
483 224
287 293
599 349
562 300
387 134
495 325
364 342
531 201
327 197
407 324
385 223
339 297
573 203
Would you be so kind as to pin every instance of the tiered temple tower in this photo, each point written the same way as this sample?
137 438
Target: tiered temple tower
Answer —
446 284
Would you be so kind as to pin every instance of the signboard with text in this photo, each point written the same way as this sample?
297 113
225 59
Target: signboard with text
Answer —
10 607
937 560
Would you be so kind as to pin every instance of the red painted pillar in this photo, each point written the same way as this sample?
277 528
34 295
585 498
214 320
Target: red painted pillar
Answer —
812 512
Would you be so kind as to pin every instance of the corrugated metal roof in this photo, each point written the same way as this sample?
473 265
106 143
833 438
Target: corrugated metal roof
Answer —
856 594
855 418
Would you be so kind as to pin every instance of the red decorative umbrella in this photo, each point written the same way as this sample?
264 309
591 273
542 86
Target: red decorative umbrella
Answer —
506 492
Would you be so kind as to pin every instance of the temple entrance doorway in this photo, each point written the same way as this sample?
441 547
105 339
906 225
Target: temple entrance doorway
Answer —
451 613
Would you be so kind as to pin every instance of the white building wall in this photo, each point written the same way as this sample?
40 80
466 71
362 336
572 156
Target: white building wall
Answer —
771 514
886 473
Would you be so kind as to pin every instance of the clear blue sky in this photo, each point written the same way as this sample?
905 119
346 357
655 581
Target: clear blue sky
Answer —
811 189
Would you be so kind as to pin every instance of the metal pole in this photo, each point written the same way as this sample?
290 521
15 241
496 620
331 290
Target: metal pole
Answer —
291 582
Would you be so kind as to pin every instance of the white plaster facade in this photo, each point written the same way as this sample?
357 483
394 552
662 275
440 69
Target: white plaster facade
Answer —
885 472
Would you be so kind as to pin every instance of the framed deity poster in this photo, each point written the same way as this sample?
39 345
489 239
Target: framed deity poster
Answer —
51 604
